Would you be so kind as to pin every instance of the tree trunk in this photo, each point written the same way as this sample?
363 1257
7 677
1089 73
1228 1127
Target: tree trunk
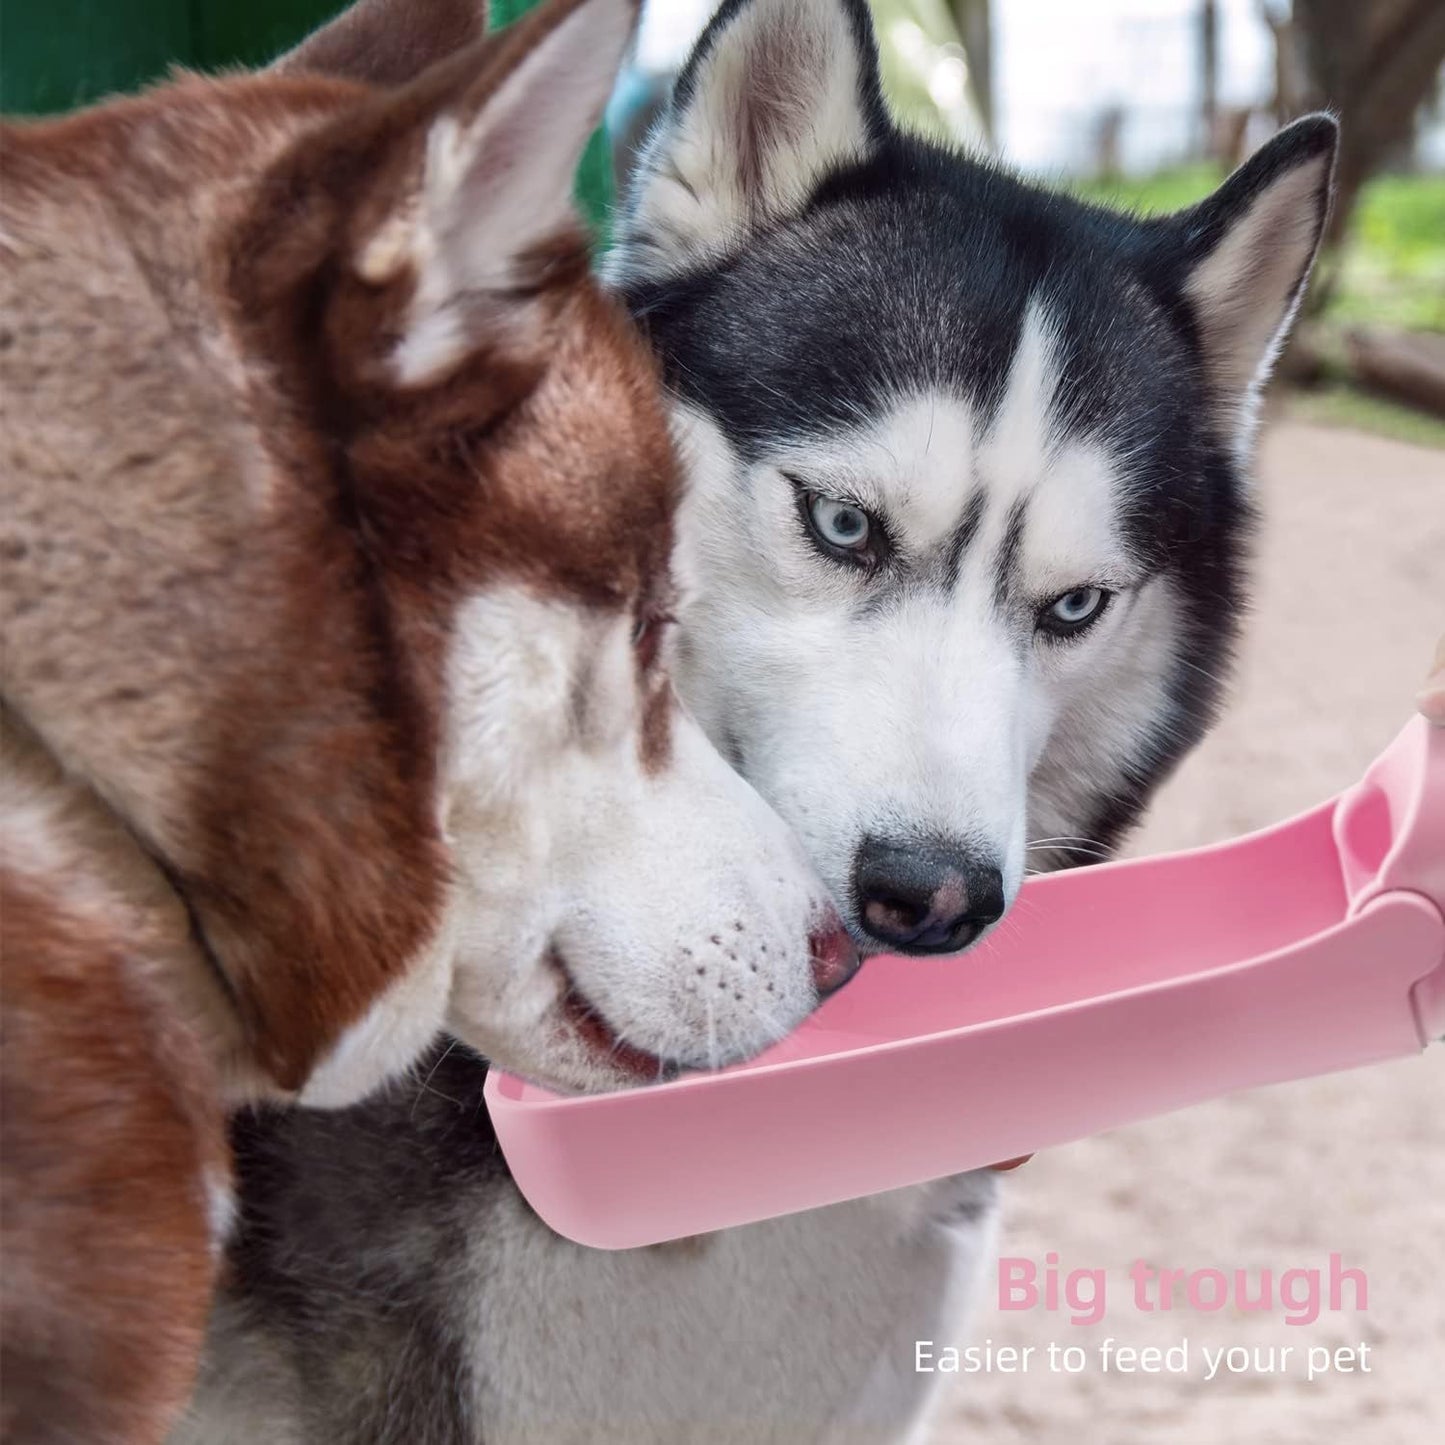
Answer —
1375 65
1407 366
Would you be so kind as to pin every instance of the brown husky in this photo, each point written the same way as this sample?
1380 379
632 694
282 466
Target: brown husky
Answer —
337 514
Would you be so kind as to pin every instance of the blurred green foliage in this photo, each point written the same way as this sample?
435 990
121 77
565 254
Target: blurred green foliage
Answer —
1339 404
1166 191
1393 267
913 35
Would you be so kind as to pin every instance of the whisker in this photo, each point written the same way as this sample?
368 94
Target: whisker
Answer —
1087 852
430 1072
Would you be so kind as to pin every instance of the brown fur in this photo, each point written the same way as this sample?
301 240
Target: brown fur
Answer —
111 1133
232 550
248 671
183 615
386 42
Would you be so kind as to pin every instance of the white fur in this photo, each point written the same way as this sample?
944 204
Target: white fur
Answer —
797 1331
38 842
1018 450
220 1209
927 716
678 902
680 905
391 1033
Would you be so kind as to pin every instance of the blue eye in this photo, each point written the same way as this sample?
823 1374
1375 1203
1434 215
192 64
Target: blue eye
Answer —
840 524
1072 612
842 531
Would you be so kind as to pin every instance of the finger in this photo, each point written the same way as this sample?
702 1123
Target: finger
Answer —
1431 700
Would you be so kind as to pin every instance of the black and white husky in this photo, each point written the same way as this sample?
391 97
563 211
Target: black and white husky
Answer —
964 557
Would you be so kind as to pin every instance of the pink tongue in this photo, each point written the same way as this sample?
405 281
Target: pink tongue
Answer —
834 957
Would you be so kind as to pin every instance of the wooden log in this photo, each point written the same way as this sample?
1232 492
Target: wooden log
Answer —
1407 366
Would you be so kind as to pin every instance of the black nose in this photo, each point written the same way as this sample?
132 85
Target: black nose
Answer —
925 897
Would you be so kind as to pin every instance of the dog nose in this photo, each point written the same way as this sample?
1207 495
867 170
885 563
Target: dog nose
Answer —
834 956
925 897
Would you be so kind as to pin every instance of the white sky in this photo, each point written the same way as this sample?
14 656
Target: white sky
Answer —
1057 63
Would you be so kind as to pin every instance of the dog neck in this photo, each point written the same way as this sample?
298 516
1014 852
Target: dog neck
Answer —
193 629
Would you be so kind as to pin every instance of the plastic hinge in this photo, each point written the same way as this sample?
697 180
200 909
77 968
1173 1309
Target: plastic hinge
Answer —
1390 832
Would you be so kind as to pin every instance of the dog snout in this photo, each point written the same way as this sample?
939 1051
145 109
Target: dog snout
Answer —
835 957
925 897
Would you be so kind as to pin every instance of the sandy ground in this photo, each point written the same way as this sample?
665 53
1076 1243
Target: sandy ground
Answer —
1351 596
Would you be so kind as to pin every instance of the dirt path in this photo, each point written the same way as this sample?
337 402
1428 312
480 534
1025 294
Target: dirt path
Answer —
1350 599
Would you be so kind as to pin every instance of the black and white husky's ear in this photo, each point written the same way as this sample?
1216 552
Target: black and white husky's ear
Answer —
775 96
387 42
1248 250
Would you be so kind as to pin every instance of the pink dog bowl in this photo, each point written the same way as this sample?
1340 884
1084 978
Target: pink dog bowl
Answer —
1109 995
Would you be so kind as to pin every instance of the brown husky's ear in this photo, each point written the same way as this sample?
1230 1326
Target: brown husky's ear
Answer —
387 42
496 176
427 214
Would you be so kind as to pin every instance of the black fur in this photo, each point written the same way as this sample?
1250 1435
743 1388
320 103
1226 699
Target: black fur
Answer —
354 1225
962 538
